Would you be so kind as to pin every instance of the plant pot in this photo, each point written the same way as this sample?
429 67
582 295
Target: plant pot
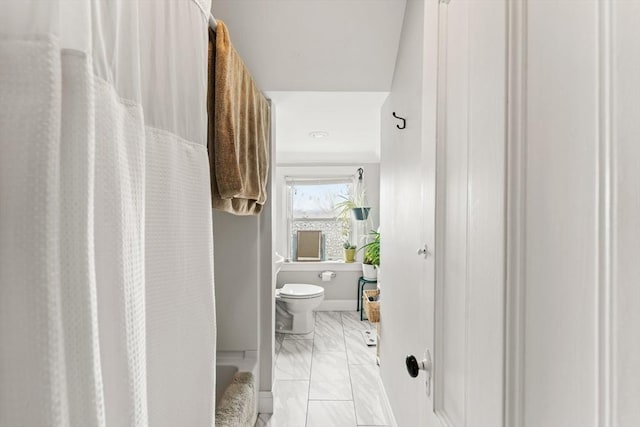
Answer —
349 255
369 272
360 214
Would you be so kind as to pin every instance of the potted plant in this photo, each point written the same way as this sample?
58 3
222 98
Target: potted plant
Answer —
343 216
359 205
355 205
371 260
361 208
349 252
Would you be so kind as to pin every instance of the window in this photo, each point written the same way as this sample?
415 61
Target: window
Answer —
311 206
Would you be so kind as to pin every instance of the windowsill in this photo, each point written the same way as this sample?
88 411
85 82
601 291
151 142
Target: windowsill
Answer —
321 266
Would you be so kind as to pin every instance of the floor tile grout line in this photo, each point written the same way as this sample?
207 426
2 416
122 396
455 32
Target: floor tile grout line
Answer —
313 346
353 394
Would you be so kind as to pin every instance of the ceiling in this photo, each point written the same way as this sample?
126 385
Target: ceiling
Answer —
327 65
315 45
352 121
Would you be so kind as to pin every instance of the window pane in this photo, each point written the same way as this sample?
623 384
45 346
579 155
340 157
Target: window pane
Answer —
317 200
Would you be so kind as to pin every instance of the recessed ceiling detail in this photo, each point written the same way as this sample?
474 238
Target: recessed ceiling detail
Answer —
318 134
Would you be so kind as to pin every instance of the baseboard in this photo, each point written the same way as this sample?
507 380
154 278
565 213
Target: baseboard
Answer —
265 402
338 305
387 406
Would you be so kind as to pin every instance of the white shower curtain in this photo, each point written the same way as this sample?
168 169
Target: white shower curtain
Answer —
106 258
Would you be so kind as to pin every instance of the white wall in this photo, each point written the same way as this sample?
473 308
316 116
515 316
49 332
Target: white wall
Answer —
236 256
575 206
244 287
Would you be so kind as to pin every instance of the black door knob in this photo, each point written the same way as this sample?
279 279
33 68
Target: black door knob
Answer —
412 366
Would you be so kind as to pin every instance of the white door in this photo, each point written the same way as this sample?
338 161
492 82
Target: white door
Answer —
466 341
406 278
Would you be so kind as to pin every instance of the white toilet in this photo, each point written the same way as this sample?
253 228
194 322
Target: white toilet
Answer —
295 303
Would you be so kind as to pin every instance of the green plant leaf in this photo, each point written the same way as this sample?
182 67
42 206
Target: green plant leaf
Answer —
372 250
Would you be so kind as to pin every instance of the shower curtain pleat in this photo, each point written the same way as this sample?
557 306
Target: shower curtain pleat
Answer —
107 314
77 253
120 253
180 317
32 369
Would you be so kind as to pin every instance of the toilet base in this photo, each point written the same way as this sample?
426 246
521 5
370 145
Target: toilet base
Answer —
298 323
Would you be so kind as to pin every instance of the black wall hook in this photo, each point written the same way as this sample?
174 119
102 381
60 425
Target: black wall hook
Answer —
404 122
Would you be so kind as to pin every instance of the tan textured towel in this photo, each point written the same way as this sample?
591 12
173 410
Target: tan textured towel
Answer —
238 131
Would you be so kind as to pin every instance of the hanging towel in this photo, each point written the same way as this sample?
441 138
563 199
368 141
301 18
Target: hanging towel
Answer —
238 130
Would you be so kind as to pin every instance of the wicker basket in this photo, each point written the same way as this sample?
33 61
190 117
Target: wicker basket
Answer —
372 308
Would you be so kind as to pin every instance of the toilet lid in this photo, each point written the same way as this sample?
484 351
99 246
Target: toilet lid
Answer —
300 290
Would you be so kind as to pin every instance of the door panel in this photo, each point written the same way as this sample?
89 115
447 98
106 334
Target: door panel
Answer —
469 322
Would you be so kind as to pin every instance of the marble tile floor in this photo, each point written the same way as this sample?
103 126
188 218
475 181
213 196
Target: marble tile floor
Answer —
328 378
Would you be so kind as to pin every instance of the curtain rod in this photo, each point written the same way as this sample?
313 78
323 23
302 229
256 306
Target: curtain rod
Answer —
212 21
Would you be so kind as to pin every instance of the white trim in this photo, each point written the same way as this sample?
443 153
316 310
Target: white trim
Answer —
265 402
317 171
605 200
245 360
440 210
251 354
515 328
321 266
338 305
287 158
387 406
268 273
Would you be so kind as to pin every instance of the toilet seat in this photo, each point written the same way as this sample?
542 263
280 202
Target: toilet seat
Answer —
299 291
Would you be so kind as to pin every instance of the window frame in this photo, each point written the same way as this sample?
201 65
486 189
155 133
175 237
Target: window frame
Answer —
303 172
300 181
